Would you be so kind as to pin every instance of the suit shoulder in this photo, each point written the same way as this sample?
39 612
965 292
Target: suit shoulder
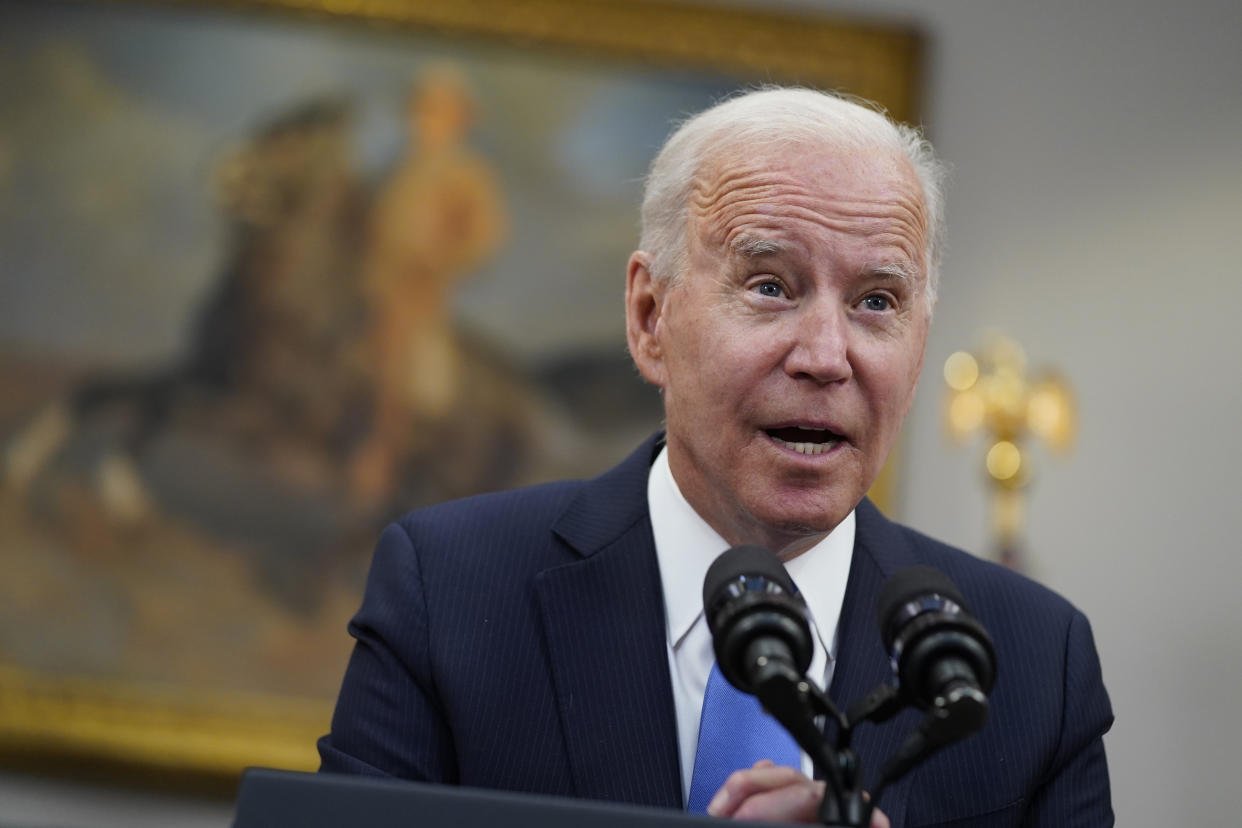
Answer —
987 585
536 524
505 513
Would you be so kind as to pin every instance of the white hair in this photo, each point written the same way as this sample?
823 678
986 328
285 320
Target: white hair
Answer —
764 117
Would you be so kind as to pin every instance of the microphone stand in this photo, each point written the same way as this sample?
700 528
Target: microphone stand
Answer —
760 630
797 704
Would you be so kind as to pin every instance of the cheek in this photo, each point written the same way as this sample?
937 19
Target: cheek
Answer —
704 386
688 347
915 364
891 380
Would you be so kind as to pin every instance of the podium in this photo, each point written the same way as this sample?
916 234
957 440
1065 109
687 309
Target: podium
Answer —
274 799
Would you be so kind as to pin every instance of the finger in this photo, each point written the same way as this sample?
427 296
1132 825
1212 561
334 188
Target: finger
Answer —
742 784
791 803
879 820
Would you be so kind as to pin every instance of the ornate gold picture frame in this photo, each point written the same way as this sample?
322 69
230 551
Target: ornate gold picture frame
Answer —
77 501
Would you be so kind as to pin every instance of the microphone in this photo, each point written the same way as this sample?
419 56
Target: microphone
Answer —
943 658
757 619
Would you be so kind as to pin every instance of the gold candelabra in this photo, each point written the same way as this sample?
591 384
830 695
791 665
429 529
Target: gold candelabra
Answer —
991 393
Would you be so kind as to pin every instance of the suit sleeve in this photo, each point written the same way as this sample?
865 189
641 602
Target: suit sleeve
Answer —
1075 791
388 720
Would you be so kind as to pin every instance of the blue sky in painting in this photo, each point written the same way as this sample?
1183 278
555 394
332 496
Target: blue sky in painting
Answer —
116 116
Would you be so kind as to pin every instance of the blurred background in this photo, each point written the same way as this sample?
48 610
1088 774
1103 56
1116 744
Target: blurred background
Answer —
1095 215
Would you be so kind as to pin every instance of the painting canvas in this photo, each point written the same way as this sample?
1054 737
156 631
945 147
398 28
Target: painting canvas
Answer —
266 282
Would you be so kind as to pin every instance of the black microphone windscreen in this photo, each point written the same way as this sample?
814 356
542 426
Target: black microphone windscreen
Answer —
909 584
744 560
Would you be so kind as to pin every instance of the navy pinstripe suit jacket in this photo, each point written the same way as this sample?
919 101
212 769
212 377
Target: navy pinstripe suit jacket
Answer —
516 641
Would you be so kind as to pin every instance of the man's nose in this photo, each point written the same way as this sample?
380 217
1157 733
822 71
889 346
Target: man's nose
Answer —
820 345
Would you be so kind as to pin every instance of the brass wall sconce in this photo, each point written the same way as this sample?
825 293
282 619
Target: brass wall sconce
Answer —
991 393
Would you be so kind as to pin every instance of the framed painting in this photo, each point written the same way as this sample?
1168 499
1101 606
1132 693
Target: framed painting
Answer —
274 272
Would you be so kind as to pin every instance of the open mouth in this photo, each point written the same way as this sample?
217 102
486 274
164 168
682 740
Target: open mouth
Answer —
805 440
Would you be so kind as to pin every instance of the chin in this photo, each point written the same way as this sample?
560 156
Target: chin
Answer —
803 523
813 505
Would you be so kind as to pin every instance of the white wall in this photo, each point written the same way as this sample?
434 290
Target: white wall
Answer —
1096 215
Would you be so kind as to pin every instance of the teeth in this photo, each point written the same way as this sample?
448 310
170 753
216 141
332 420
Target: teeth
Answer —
808 448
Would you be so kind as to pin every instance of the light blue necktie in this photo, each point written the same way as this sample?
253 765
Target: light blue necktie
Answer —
734 733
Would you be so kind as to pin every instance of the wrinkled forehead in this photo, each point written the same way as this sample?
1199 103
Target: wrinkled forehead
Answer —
836 170
795 177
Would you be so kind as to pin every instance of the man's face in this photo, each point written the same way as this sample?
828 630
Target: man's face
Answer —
789 350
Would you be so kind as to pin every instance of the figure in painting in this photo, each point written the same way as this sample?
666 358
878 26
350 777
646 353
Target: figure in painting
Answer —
439 217
326 357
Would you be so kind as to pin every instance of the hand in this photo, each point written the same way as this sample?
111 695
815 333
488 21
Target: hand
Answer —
774 793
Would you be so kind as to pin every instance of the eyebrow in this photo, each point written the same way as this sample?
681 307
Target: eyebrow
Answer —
750 246
896 269
754 246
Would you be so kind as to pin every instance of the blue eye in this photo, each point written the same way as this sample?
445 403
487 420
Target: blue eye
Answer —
877 302
772 289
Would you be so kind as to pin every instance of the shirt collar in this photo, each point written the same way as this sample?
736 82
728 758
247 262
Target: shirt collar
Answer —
686 546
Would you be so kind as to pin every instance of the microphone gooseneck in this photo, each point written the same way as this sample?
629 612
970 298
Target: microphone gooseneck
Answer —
943 659
938 650
757 619
762 638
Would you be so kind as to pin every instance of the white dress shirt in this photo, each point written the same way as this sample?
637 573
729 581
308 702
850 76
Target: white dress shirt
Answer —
685 547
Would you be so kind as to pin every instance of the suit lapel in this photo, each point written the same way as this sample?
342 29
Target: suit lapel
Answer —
603 622
862 662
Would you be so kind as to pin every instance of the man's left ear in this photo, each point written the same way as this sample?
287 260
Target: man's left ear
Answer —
643 306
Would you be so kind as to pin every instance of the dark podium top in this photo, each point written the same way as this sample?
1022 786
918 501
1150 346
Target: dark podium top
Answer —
271 799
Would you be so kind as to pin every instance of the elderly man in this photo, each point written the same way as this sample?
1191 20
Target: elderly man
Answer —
553 640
